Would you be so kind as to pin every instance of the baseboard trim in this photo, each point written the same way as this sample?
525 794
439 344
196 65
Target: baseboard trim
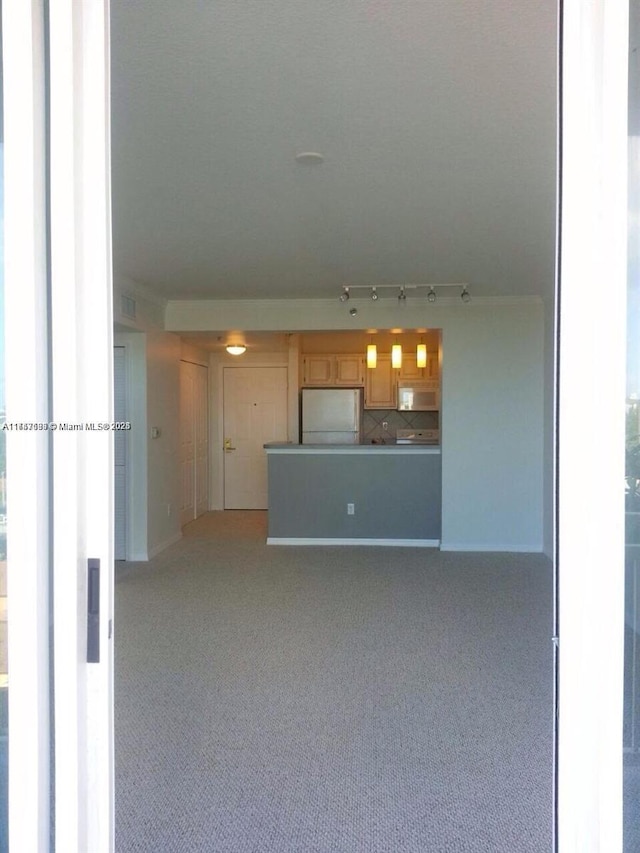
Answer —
493 546
161 547
390 543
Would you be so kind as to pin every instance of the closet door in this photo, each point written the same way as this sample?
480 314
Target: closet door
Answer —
194 440
187 442
201 438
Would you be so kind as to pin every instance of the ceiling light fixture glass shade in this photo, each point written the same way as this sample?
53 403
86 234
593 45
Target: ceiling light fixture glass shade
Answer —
344 296
396 356
236 349
465 295
431 295
374 294
421 355
372 355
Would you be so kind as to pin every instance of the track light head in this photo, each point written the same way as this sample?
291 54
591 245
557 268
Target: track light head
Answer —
374 294
353 311
465 295
344 296
402 296
431 295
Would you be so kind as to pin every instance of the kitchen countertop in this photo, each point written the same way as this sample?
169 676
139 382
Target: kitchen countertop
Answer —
334 449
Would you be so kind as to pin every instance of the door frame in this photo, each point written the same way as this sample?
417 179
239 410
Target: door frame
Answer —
60 319
590 594
589 540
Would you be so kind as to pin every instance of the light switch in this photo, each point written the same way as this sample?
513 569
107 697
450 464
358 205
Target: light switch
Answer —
155 432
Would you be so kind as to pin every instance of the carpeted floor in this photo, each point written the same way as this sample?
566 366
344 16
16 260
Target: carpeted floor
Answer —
307 700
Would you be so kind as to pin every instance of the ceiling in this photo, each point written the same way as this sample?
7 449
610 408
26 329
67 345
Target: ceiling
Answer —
436 120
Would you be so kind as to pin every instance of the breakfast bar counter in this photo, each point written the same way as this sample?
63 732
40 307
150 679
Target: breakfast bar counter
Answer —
355 494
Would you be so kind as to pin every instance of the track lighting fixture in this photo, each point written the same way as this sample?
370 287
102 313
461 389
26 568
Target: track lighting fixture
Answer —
405 290
353 311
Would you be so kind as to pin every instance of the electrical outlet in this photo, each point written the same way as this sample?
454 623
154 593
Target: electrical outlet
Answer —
351 509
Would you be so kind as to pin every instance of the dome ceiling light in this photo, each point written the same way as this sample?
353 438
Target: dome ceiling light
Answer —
309 158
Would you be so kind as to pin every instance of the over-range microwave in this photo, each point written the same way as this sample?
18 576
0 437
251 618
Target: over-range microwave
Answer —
420 396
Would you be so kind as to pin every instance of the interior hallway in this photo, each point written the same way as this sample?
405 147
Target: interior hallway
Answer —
331 699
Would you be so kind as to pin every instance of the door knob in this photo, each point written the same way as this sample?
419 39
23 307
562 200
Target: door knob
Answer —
227 445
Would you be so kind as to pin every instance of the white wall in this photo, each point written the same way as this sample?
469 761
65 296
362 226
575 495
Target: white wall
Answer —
163 412
154 356
493 413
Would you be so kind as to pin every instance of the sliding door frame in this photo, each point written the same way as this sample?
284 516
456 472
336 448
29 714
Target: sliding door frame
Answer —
59 378
590 393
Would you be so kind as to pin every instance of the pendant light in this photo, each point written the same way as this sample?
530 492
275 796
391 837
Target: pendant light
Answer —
421 355
372 355
396 356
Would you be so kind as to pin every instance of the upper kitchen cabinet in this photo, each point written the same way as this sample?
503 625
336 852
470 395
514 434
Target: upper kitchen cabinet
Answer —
333 370
380 390
410 369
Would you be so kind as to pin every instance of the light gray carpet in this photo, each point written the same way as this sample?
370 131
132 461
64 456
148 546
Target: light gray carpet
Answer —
307 700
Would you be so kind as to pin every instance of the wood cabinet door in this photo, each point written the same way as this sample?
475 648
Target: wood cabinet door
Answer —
349 370
432 370
410 369
318 370
380 385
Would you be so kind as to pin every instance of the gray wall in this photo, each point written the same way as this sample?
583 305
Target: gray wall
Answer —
396 495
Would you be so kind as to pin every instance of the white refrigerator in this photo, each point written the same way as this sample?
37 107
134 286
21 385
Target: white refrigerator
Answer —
331 415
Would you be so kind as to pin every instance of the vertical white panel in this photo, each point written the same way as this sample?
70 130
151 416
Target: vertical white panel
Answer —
82 368
591 449
26 401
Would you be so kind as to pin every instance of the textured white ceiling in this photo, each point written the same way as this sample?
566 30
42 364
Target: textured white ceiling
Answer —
437 120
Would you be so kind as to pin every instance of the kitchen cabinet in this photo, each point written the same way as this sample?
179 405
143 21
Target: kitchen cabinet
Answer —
410 369
380 385
317 369
330 370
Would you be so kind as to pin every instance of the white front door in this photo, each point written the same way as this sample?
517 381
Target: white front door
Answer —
255 412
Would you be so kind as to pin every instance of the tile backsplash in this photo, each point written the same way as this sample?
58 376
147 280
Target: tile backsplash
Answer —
373 419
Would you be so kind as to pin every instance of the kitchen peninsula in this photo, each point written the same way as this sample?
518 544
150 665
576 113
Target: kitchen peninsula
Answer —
356 494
